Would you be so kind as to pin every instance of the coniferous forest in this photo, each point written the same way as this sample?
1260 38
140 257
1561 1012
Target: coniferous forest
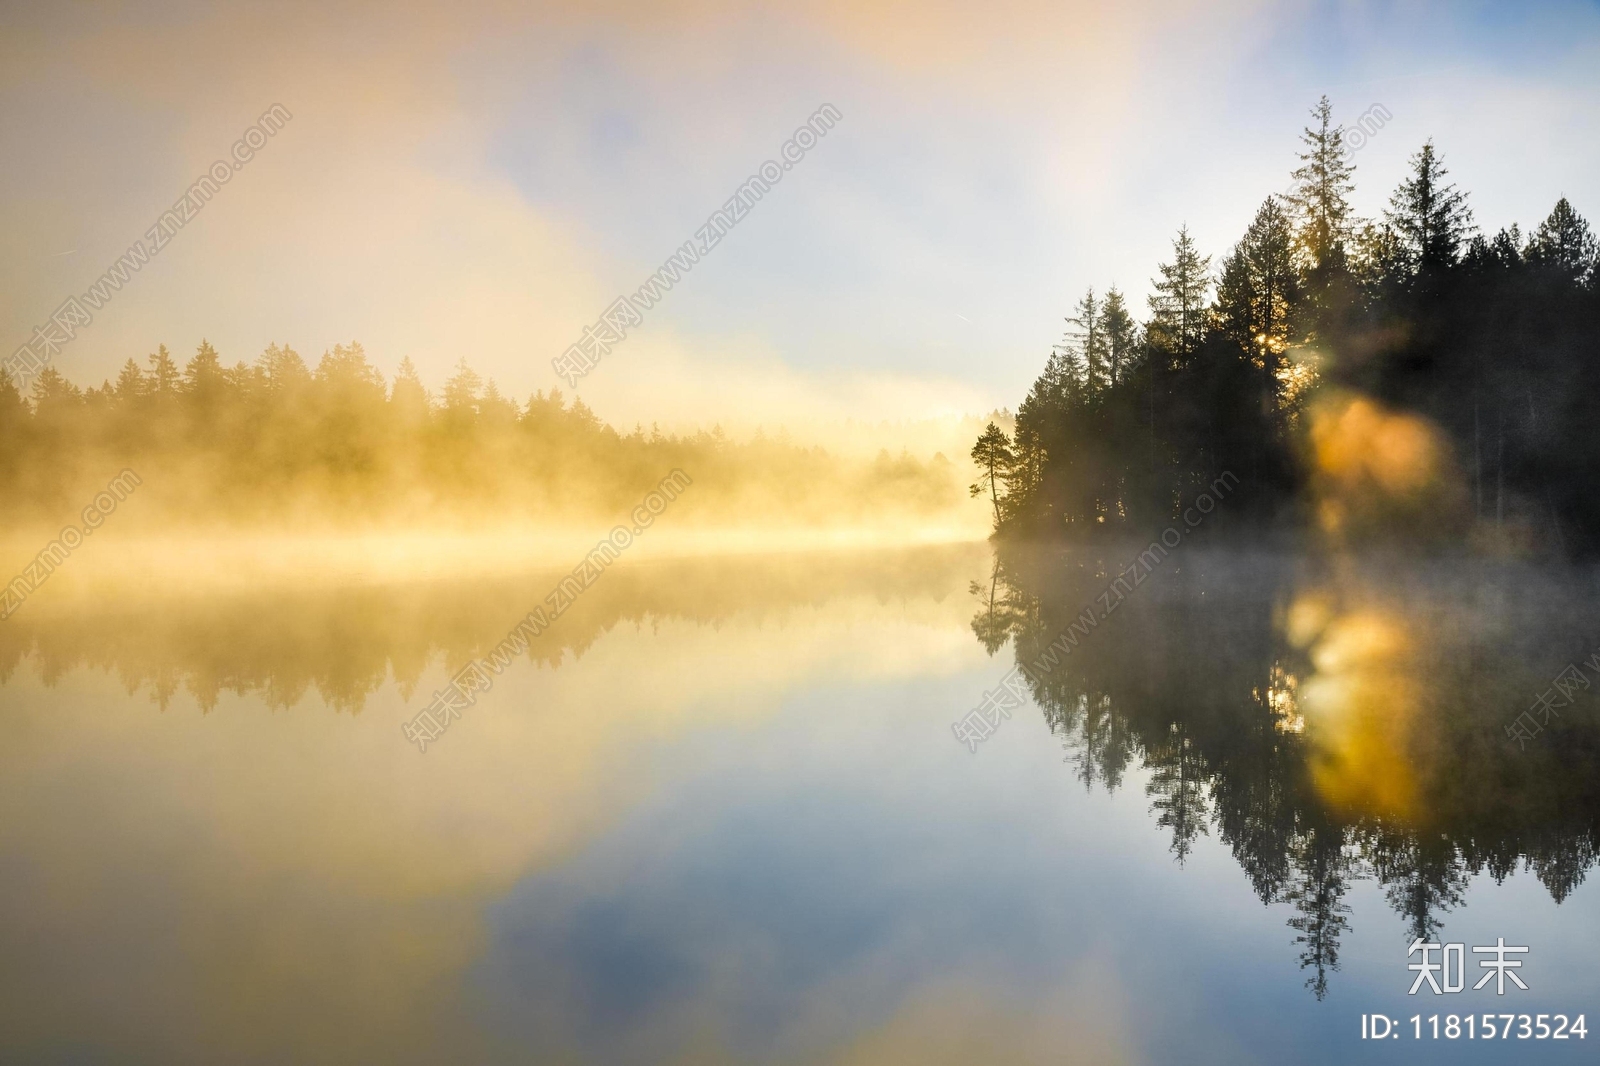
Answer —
280 440
1489 339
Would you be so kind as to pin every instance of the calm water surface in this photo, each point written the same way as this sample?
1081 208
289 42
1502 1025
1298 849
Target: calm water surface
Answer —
719 814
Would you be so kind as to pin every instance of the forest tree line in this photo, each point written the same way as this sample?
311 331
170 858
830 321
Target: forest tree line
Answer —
1491 338
278 440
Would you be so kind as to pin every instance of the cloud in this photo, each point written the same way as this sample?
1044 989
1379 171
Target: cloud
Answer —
480 180
382 211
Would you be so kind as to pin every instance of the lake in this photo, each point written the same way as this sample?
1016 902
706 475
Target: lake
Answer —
739 809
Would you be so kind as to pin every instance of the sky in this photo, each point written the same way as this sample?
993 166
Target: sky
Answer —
482 180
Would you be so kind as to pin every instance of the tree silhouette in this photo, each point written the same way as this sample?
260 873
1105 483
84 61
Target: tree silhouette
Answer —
1319 197
1320 880
1429 215
995 459
1178 787
1494 341
1178 317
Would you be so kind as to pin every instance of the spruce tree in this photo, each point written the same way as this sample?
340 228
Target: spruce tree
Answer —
1121 334
53 394
283 370
1087 346
1259 291
1178 306
164 374
1429 215
1319 198
131 384
202 378
407 396
462 389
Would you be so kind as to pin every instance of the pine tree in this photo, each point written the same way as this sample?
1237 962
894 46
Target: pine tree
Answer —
1321 879
131 383
53 394
345 372
1259 291
995 459
14 434
462 389
1025 477
11 403
205 364
1564 245
1319 198
1086 346
164 376
1178 318
241 382
202 378
1429 215
282 370
407 396
1121 334
496 408
13 415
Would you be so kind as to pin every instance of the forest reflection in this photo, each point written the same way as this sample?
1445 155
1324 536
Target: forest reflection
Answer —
1328 720
283 644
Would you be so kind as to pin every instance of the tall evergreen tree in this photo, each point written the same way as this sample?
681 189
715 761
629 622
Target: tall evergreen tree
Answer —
1121 334
1259 291
344 371
1429 215
462 389
165 377
203 379
1178 305
131 385
1086 345
496 409
204 370
407 396
1319 197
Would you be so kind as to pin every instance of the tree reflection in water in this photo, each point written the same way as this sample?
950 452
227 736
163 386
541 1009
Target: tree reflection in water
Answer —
1327 720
